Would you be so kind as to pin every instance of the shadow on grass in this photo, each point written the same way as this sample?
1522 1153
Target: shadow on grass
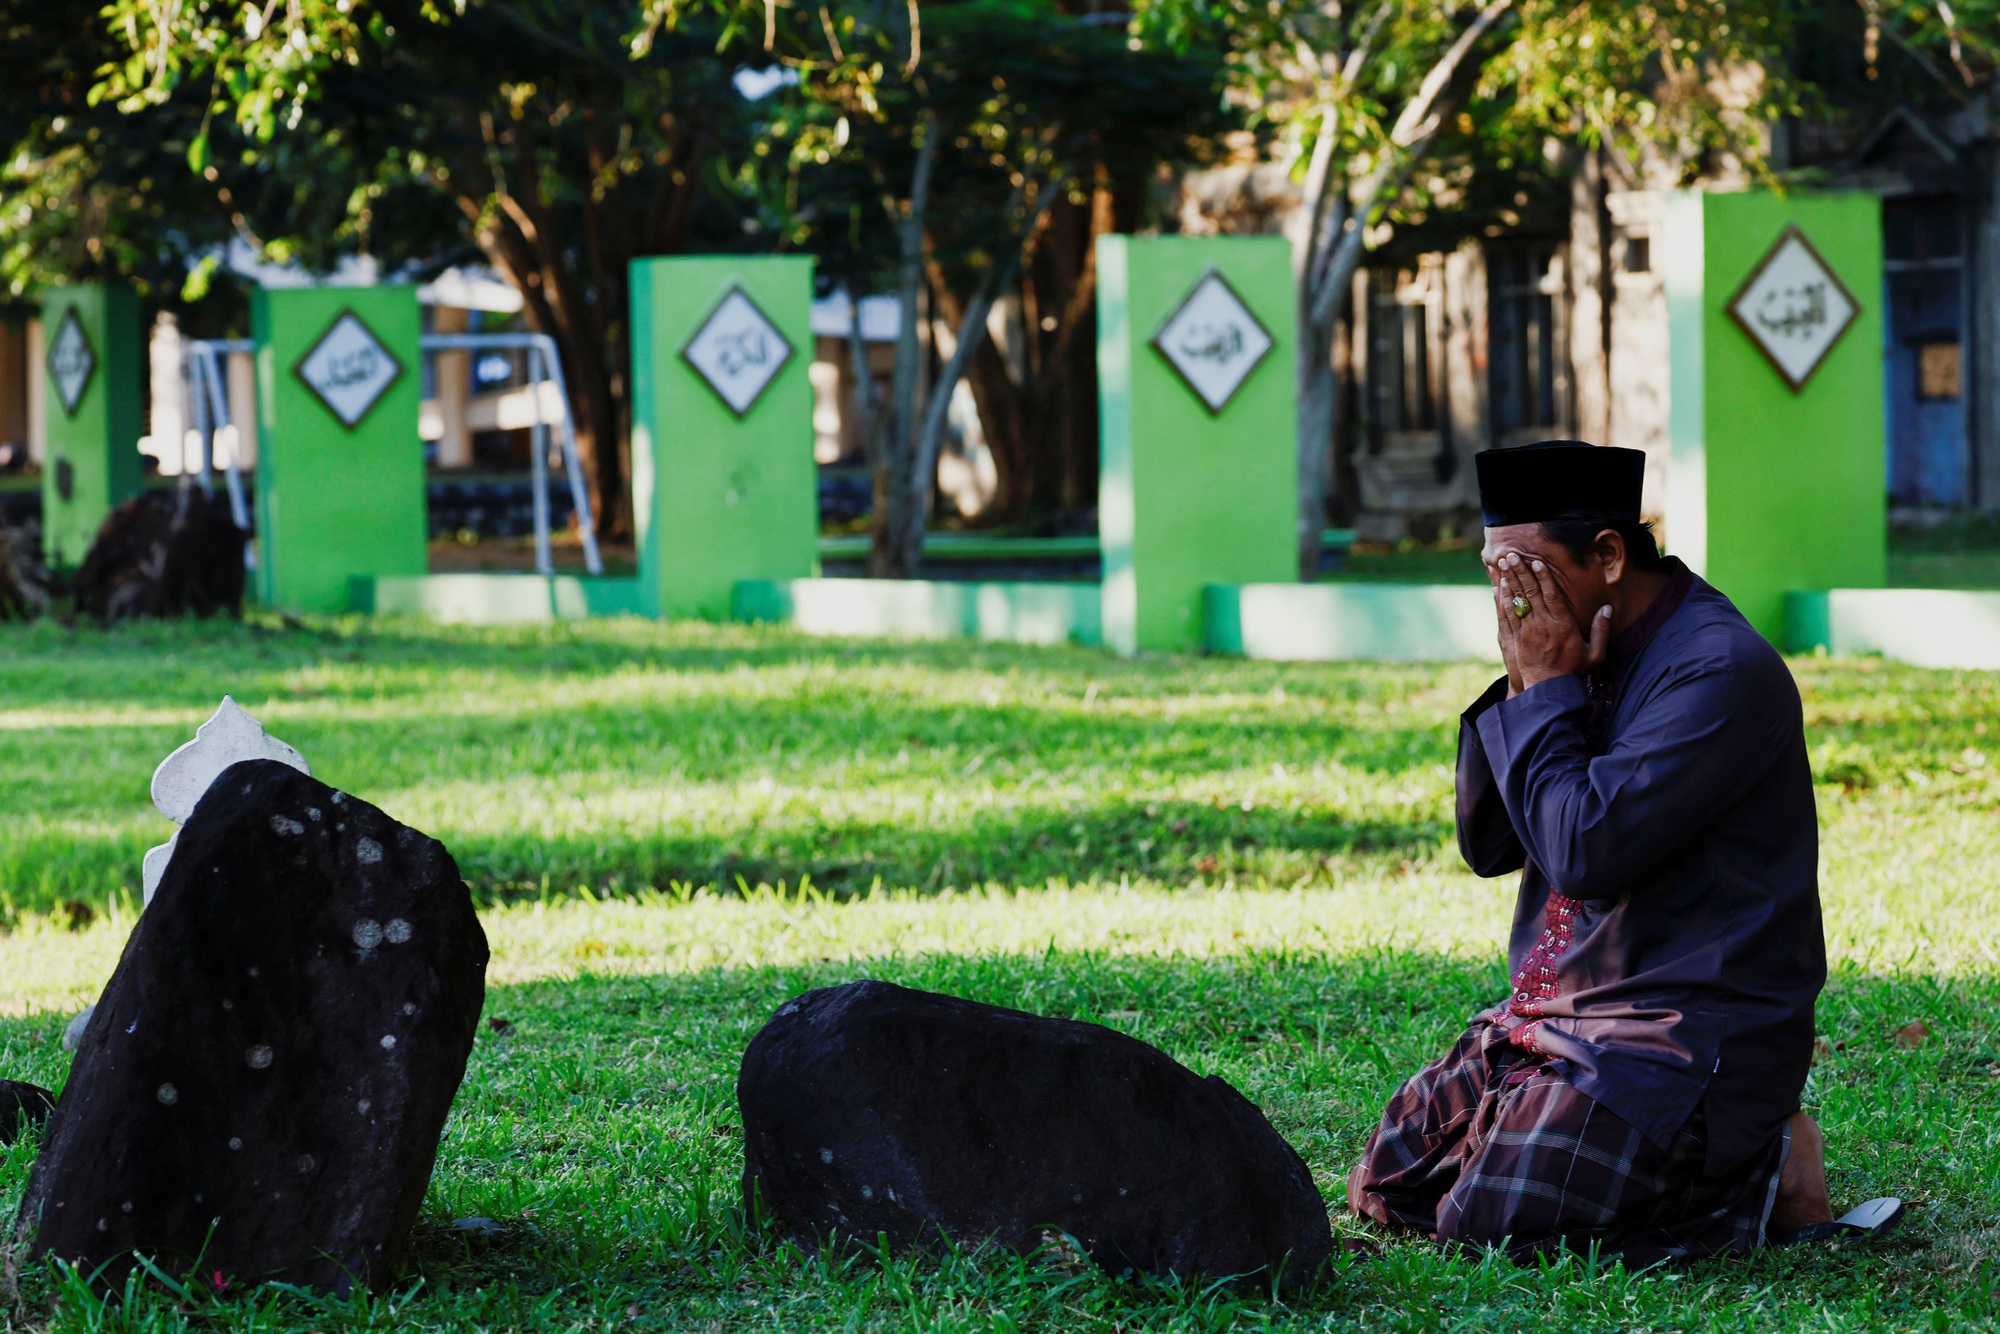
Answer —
261 649
1062 764
1169 841
1178 842
599 1131
814 720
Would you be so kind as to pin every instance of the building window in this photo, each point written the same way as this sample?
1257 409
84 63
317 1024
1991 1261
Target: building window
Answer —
1402 367
1923 232
1522 380
1929 298
1940 373
1638 254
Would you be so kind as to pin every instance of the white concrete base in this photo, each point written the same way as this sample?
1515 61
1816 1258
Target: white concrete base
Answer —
495 599
1927 627
1346 622
1020 613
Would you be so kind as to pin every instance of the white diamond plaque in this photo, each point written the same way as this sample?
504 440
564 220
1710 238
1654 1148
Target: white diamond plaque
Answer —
1794 308
349 369
1213 341
71 361
738 351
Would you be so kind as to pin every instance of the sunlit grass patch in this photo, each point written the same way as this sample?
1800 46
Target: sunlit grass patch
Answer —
673 829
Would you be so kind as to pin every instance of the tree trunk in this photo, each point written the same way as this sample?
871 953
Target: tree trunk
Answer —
1072 360
971 336
893 520
597 404
1039 408
1002 404
1059 290
584 305
1319 392
1329 254
867 418
922 478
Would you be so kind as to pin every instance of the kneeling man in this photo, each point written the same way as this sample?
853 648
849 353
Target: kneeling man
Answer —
1643 765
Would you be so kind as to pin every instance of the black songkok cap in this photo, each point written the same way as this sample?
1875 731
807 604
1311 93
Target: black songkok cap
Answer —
1559 479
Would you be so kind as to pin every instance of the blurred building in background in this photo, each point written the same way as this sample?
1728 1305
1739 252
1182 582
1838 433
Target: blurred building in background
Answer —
1484 324
1553 322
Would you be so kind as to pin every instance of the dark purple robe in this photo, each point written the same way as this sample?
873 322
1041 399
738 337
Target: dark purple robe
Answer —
1671 796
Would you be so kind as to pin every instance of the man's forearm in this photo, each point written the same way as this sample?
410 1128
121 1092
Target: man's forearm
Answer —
1486 837
1592 824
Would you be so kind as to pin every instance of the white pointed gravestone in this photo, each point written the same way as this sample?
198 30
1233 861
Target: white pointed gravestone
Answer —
228 737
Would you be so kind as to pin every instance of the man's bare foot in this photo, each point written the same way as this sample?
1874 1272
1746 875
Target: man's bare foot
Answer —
1802 1199
1356 1196
1364 1202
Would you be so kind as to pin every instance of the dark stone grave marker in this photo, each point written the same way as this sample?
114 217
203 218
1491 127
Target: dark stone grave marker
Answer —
22 1103
871 1109
261 1088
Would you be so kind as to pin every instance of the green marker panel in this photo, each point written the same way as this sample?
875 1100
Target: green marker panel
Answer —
340 469
723 481
1199 481
93 349
1772 488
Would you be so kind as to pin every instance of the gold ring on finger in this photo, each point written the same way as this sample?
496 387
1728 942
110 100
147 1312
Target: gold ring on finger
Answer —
1522 606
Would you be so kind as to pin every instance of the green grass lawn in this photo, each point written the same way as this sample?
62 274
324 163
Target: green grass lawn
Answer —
1246 864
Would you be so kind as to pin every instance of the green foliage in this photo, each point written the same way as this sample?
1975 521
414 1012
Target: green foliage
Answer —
1691 81
537 133
1306 932
1680 78
1014 89
149 189
85 193
1923 46
543 103
980 146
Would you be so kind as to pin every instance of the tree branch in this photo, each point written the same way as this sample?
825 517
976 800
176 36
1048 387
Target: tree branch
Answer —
1422 116
1319 172
910 220
910 275
971 332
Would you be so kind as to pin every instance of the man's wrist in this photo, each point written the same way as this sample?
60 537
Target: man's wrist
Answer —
1530 678
1500 691
1559 689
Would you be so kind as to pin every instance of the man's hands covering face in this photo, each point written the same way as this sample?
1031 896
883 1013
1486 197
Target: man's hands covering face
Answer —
1549 641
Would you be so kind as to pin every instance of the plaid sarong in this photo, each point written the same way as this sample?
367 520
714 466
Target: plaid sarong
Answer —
1493 1146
